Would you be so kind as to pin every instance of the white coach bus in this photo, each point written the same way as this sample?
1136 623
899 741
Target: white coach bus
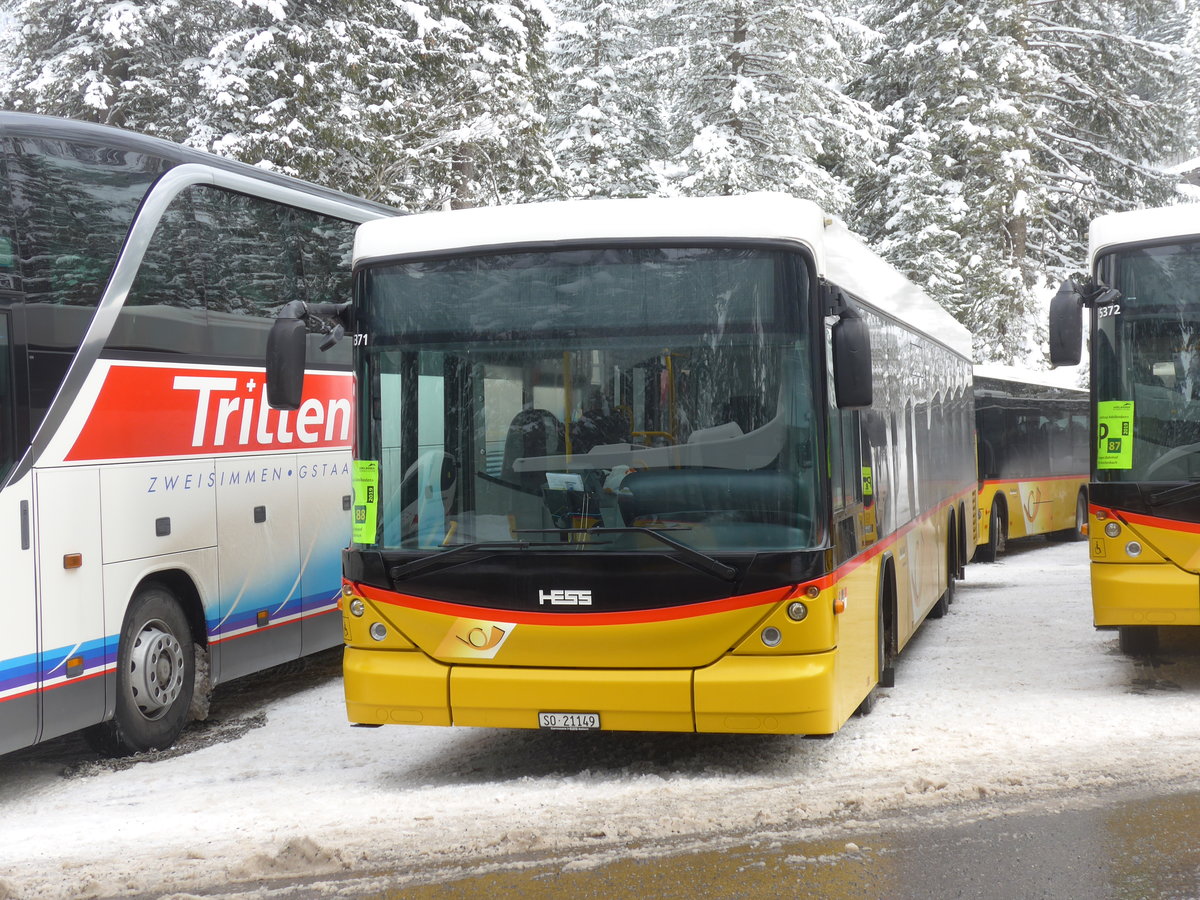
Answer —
162 529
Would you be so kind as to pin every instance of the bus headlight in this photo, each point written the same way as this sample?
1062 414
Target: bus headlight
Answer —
797 611
771 636
357 607
1133 548
1112 529
378 631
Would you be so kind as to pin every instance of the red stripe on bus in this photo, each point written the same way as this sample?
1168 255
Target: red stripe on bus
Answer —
660 614
1150 521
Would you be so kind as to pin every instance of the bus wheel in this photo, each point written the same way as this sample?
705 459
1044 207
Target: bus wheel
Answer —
997 535
156 672
1079 531
1137 640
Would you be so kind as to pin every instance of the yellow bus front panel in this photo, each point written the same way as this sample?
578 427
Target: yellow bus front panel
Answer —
624 699
1141 570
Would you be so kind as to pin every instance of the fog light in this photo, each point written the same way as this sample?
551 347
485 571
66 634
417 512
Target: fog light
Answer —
1112 529
812 592
771 636
347 590
1101 515
797 611
1133 548
357 607
378 631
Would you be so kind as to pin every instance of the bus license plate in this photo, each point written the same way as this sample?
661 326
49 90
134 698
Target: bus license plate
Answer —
561 721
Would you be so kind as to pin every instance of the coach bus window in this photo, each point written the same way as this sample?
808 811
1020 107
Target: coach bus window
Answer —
72 207
219 267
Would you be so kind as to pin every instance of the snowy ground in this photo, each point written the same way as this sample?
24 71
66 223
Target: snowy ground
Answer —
1012 696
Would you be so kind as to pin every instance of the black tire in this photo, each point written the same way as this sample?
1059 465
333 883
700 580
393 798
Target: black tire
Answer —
997 535
1137 640
156 675
1079 532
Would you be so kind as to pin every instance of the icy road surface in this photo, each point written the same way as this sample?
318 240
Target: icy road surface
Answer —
1012 696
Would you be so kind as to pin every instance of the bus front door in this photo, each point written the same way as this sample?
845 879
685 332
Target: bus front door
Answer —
18 606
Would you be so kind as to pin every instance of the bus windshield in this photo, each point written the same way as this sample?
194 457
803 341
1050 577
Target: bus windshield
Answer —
1147 366
570 398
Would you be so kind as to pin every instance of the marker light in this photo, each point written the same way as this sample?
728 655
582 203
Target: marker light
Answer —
1101 514
378 631
771 636
347 590
357 607
1133 548
797 611
1112 529
812 592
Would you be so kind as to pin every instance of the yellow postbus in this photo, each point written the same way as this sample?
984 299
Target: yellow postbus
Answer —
1143 314
1032 440
665 464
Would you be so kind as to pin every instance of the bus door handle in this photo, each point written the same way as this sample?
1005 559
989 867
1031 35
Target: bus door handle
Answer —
24 524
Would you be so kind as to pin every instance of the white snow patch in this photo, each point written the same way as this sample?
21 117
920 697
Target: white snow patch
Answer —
1013 694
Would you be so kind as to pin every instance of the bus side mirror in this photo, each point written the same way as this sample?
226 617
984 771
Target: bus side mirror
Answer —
286 344
1066 325
851 339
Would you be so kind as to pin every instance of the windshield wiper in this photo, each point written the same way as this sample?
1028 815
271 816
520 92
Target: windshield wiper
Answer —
437 560
1178 494
691 557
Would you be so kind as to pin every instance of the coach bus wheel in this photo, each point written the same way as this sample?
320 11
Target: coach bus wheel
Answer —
156 672
1137 640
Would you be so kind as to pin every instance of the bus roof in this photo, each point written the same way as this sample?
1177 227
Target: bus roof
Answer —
1063 380
37 126
1142 225
839 255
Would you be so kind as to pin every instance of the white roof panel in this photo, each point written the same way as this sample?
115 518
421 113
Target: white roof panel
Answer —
1138 225
839 255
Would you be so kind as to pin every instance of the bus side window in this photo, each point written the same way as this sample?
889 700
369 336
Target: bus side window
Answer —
260 257
164 310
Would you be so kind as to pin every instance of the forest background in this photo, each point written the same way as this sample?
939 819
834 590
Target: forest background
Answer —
971 143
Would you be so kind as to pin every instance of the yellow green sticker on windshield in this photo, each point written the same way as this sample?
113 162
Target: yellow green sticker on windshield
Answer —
366 500
1114 431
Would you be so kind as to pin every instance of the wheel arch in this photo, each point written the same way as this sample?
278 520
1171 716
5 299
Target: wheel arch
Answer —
187 595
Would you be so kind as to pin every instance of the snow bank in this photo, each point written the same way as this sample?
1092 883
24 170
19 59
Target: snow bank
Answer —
1012 695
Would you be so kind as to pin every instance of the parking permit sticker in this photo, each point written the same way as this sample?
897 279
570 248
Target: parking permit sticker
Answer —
1114 432
366 499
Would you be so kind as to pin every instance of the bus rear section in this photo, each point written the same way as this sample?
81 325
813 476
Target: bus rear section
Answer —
626 483
1032 440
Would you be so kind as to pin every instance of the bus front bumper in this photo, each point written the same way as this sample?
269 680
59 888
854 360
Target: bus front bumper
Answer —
1144 594
736 694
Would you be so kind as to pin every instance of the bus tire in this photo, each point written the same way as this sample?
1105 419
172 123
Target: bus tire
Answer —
1137 640
997 534
1079 532
156 673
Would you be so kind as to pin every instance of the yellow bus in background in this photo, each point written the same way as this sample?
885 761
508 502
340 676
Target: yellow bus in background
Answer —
1032 440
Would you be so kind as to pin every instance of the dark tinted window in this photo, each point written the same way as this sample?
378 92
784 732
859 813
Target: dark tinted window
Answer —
219 268
73 204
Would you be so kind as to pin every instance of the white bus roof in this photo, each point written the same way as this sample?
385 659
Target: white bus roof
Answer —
1063 379
1142 225
840 256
